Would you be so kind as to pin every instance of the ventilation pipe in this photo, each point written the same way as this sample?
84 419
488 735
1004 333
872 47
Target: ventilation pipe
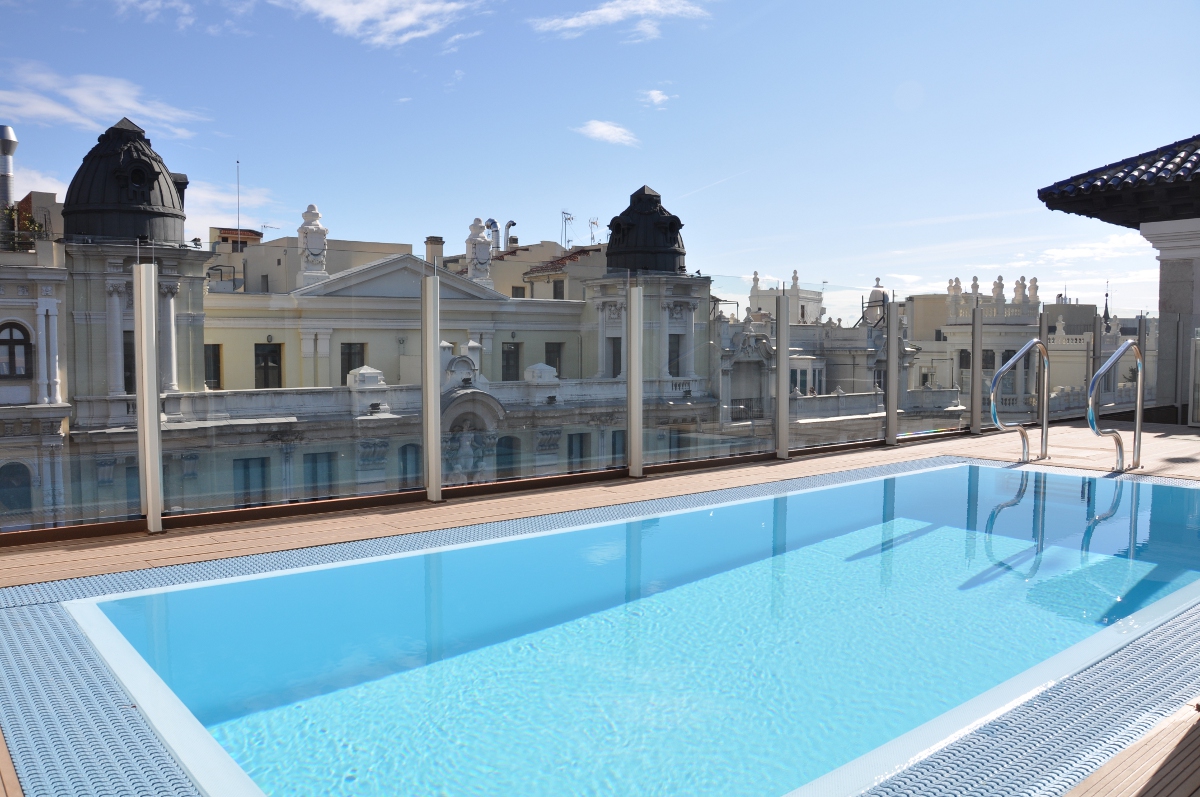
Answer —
505 240
8 145
494 229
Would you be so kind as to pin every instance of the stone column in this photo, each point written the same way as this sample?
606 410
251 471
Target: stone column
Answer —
47 482
114 316
664 343
1019 385
1178 245
57 472
55 389
601 340
688 366
41 357
168 355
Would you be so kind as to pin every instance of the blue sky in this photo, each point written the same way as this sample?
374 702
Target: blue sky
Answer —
846 141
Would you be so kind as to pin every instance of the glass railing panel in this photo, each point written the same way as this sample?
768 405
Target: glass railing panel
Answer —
305 388
533 385
708 386
68 401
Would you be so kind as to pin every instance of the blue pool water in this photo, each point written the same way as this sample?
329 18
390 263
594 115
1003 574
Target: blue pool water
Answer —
741 649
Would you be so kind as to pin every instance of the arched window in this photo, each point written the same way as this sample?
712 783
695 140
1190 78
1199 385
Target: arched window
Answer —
14 488
16 359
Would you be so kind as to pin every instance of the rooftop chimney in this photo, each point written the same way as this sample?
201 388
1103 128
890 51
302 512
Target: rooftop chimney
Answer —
8 145
433 249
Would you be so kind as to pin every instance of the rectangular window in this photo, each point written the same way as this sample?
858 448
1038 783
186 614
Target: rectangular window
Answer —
937 335
818 382
613 365
212 366
320 474
618 448
964 359
130 364
510 362
560 289
880 378
354 355
554 357
518 293
265 281
801 383
673 344
250 481
268 365
579 451
989 360
410 466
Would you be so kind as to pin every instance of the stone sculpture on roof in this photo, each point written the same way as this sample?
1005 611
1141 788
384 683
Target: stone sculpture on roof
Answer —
645 237
1019 291
313 240
1033 294
998 290
479 254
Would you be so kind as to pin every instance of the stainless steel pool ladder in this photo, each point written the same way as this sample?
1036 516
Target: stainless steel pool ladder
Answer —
1093 419
1043 397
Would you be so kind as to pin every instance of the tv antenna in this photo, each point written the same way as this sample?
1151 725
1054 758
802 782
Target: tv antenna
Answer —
593 225
266 227
567 218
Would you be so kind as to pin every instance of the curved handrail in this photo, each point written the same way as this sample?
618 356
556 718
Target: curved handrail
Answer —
991 523
1093 419
1043 398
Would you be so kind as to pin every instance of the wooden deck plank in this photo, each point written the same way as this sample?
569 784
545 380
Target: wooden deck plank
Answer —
1167 451
1163 763
9 785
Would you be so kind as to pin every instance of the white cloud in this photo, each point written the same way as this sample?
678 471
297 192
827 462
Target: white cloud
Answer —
1117 245
26 180
654 97
383 22
451 45
150 9
646 12
610 132
91 102
214 205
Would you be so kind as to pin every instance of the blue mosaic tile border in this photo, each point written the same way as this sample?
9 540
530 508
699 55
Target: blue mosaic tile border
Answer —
72 730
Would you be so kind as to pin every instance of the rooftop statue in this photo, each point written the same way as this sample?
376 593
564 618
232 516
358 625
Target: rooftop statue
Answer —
1033 294
1019 291
998 290
479 254
975 285
313 239
645 237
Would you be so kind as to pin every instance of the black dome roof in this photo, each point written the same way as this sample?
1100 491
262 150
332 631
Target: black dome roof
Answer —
124 190
645 237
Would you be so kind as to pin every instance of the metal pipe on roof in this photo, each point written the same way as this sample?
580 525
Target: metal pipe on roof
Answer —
8 145
507 227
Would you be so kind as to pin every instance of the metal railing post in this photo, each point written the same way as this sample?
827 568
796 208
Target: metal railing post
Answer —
634 407
891 387
977 369
149 419
783 376
1093 416
1043 400
431 385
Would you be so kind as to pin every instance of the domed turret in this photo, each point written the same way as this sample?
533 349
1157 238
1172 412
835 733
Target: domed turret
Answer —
645 237
124 190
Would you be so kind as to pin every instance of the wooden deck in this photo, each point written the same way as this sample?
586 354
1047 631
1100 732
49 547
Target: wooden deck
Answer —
1166 451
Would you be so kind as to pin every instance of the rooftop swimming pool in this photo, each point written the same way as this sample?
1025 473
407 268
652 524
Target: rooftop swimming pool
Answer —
812 641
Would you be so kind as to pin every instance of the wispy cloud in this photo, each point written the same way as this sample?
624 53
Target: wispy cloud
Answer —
647 13
451 45
609 132
216 205
26 180
150 10
91 102
385 23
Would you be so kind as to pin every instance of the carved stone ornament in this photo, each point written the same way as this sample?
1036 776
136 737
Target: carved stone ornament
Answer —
614 311
314 240
168 289
479 252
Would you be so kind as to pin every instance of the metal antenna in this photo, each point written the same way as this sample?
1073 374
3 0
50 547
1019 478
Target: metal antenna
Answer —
593 225
567 218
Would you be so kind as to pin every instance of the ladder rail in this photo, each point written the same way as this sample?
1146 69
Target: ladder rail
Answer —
1093 418
1043 398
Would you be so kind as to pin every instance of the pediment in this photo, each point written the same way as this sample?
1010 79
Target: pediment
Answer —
395 277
